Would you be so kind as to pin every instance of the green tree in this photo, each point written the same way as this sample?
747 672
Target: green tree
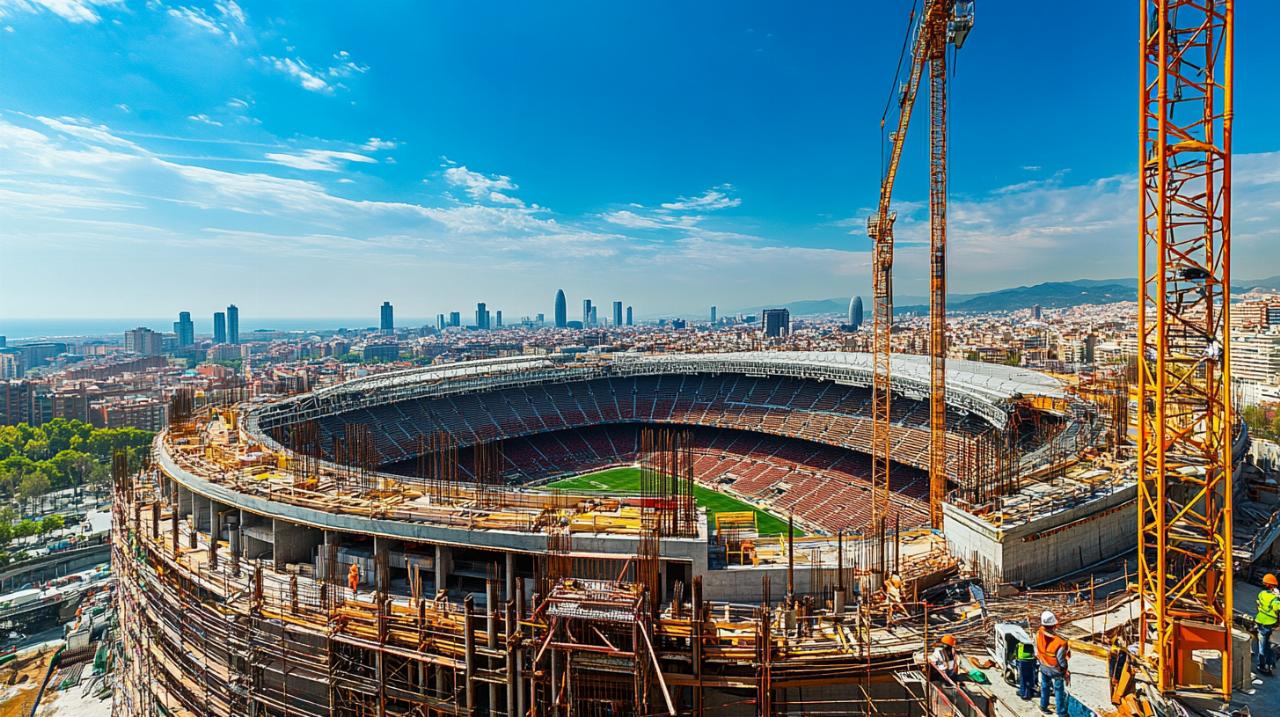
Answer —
51 523
33 486
25 529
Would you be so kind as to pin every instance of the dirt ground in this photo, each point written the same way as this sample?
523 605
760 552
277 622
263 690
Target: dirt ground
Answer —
20 681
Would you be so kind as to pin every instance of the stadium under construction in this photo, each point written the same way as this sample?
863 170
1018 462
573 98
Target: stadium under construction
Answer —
389 545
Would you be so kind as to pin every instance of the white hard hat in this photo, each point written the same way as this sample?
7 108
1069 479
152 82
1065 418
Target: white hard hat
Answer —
1048 619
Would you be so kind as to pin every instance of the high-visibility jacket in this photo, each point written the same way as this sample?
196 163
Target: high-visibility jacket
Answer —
1268 608
1025 651
1048 647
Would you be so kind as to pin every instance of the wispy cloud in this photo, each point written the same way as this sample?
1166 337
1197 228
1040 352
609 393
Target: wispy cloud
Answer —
710 200
226 20
204 119
77 11
321 160
684 213
324 80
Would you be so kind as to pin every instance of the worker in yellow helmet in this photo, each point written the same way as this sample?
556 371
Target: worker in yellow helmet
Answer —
1266 619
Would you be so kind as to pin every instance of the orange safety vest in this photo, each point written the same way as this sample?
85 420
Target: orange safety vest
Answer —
1047 646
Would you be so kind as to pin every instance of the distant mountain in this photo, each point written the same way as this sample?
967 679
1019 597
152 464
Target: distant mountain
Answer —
1050 295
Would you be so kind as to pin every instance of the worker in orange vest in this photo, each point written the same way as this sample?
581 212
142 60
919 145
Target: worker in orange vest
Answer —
353 578
944 658
1052 652
893 596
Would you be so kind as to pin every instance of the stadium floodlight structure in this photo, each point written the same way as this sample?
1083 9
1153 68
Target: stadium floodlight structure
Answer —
1184 379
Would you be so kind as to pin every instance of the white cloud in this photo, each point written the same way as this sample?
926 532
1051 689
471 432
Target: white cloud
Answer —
344 66
479 186
315 79
226 20
237 103
76 11
685 213
710 200
204 119
301 72
123 107
376 144
321 160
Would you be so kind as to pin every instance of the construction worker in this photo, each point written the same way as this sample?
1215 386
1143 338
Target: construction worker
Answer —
1268 615
353 578
893 596
944 658
1025 655
1053 653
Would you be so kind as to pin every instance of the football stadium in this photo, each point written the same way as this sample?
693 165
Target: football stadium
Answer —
630 534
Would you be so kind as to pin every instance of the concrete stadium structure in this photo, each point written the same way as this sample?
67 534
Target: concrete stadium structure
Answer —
476 596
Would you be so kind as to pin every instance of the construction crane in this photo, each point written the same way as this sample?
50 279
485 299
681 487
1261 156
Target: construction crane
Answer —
942 23
1185 423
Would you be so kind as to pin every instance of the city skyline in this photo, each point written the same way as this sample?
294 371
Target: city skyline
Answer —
241 140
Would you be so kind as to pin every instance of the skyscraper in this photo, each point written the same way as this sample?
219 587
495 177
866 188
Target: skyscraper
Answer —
617 313
482 316
629 321
388 323
455 318
185 330
441 322
219 327
713 314
497 316
233 324
595 319
777 322
855 313
562 310
586 313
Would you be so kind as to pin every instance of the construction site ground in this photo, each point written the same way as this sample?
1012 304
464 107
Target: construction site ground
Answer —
20 680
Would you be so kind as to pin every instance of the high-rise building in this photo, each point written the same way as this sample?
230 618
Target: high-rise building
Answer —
185 330
16 399
498 319
233 324
595 318
1036 312
143 341
10 365
3 342
713 314
482 316
219 327
387 324
777 322
441 322
562 311
855 313
455 318
617 313
542 318
629 320
586 313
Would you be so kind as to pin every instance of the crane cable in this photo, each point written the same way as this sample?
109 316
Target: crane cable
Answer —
897 73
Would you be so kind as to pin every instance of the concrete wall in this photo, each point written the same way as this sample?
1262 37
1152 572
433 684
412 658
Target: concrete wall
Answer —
1050 546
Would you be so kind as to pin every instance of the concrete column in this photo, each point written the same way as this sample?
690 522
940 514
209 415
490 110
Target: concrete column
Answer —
509 587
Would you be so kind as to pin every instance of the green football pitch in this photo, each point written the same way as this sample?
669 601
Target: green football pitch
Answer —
616 482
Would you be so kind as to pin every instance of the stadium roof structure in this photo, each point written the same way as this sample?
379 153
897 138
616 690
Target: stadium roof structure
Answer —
983 389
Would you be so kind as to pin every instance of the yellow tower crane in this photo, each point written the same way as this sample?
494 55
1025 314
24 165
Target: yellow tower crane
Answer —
942 23
1185 423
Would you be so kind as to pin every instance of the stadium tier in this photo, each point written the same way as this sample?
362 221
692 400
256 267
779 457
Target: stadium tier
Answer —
789 430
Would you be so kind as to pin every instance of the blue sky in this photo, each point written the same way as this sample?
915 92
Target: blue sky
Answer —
313 159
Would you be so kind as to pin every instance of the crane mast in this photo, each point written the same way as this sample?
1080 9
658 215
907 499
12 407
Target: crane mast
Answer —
1185 423
941 23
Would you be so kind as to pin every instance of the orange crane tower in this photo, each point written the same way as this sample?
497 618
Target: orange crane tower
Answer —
943 22
1184 379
